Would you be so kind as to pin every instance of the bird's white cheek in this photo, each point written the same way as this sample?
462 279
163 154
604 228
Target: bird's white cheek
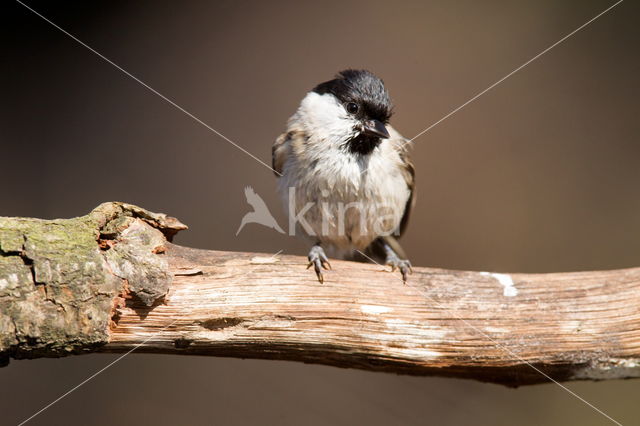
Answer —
337 130
327 119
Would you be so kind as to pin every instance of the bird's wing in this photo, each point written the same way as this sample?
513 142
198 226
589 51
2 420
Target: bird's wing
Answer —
283 146
279 153
402 146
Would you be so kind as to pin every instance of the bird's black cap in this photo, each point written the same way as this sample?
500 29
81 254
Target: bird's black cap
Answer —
363 88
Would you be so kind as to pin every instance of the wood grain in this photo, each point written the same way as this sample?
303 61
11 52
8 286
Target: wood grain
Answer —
581 325
110 281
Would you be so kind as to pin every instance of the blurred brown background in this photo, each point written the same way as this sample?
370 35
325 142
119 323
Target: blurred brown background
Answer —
540 174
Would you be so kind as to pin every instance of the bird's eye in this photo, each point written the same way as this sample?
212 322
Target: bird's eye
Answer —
352 107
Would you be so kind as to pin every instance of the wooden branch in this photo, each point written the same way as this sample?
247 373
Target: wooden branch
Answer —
110 282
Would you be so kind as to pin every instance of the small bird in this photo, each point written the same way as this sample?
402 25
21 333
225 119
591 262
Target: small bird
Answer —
344 173
260 213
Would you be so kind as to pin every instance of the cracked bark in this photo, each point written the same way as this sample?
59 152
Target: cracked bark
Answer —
61 281
111 281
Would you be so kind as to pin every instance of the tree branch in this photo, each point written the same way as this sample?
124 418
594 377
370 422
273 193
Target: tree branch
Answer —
110 281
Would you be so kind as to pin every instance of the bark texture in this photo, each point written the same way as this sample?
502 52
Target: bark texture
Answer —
62 280
111 282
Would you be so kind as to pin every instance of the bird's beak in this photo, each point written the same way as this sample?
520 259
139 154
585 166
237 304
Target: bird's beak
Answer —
375 128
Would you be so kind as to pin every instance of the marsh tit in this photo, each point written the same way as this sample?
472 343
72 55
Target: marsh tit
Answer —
344 173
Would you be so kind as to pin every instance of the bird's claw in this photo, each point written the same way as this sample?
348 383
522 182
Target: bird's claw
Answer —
318 260
404 265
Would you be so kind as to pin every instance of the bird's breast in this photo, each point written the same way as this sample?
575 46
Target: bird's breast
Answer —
343 201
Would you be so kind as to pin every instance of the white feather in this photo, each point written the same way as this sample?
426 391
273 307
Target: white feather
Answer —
353 198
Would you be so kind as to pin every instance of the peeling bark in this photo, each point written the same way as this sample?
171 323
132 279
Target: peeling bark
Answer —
59 278
111 281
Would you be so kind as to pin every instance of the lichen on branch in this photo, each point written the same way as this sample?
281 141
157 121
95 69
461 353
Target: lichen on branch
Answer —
59 278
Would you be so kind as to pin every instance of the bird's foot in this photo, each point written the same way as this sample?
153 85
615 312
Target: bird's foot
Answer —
318 260
403 265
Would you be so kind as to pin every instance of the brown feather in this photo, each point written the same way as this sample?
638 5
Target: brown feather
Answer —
279 153
402 145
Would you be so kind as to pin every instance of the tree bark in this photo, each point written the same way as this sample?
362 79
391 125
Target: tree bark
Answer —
111 281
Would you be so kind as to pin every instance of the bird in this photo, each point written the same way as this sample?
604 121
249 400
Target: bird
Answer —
260 213
344 173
